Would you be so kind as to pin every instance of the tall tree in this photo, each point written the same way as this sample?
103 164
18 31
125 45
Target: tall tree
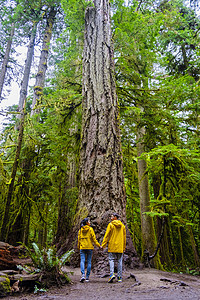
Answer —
6 58
102 188
27 69
40 76
101 179
23 95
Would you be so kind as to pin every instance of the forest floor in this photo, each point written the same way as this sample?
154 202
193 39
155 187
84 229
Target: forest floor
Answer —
137 284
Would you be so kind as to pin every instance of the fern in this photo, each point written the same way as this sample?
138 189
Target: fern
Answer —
46 260
50 253
38 255
66 256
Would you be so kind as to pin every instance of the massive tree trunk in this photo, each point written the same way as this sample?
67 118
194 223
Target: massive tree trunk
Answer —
40 76
102 188
101 181
6 58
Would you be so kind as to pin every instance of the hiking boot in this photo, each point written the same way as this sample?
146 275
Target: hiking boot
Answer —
82 279
111 278
119 279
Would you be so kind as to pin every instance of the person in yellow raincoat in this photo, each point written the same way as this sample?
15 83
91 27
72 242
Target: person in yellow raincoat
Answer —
86 241
115 236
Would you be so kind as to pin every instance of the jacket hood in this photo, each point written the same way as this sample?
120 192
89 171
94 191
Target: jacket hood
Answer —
117 223
85 228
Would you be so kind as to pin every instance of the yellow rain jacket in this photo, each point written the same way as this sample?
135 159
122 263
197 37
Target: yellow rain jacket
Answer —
86 238
115 236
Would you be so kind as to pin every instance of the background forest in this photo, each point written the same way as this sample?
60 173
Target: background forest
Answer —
157 72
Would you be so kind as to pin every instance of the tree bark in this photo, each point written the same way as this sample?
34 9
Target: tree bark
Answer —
27 69
40 77
181 246
101 184
102 188
6 59
101 181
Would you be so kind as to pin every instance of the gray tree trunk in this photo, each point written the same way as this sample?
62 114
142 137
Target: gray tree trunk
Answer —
40 77
101 181
102 188
27 69
6 59
101 185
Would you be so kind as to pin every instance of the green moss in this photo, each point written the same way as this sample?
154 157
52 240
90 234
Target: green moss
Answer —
4 286
39 93
38 88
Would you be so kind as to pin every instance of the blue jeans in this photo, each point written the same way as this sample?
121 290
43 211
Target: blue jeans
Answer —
83 253
119 257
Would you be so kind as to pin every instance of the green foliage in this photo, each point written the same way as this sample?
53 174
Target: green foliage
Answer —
46 260
36 289
180 40
157 76
192 272
157 93
5 288
46 155
75 11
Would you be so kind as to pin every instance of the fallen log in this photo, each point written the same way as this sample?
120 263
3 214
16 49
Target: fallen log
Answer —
6 256
6 260
24 278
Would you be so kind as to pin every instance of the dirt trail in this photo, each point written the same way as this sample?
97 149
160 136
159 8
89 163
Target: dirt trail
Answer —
147 284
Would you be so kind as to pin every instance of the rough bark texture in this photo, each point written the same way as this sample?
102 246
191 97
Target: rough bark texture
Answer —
6 59
101 172
101 182
6 260
40 76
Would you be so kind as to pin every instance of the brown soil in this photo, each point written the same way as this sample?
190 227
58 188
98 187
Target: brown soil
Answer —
137 284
